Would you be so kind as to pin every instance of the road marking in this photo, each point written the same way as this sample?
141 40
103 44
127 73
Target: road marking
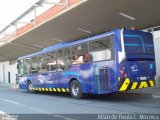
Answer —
63 117
10 101
25 106
13 102
38 110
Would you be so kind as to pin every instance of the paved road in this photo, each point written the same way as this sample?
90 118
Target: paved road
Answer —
55 104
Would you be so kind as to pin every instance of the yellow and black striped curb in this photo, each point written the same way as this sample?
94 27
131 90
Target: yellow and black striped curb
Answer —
128 85
51 89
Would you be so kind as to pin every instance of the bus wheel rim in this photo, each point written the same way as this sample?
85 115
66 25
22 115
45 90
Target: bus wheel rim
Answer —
75 90
30 87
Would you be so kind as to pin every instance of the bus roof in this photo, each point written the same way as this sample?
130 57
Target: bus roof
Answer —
66 44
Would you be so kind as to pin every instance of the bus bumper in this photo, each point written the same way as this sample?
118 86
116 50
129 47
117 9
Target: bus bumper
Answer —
22 86
126 84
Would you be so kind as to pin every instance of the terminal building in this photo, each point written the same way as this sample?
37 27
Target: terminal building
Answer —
67 20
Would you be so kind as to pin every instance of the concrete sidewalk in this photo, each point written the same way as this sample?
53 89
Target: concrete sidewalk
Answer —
11 85
151 91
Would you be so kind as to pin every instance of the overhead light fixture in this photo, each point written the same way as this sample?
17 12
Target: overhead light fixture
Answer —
55 39
126 16
22 45
87 31
37 46
26 50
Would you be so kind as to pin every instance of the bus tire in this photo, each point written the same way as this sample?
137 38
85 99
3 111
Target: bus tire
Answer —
29 87
76 89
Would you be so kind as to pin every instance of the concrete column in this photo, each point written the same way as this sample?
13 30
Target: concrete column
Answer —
156 35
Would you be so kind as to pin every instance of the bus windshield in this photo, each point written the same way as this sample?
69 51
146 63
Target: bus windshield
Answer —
138 43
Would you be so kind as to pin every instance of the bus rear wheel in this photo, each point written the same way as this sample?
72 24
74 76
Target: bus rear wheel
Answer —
76 89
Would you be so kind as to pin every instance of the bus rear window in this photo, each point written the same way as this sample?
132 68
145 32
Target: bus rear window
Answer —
138 43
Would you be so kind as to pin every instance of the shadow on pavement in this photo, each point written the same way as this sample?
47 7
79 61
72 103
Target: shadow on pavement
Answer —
114 97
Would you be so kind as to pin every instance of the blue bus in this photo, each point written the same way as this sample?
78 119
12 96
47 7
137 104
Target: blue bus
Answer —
114 61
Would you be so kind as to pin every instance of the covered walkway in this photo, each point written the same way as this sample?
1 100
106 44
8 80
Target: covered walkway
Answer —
74 19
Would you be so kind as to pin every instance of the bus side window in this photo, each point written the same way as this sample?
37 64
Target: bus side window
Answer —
85 57
51 61
42 63
80 53
28 63
108 54
63 59
77 59
35 66
102 49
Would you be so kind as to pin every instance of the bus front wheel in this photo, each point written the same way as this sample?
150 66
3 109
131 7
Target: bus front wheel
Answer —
29 87
76 89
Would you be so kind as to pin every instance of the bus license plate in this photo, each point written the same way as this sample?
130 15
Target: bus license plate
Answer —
143 78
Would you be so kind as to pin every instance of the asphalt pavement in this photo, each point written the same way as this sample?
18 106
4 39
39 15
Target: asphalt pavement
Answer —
61 106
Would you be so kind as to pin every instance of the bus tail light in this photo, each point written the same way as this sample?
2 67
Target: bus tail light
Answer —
124 74
122 71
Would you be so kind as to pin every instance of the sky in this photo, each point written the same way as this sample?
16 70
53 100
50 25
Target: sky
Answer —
12 9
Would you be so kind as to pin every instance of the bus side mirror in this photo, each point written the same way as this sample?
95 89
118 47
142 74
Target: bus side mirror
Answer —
18 63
